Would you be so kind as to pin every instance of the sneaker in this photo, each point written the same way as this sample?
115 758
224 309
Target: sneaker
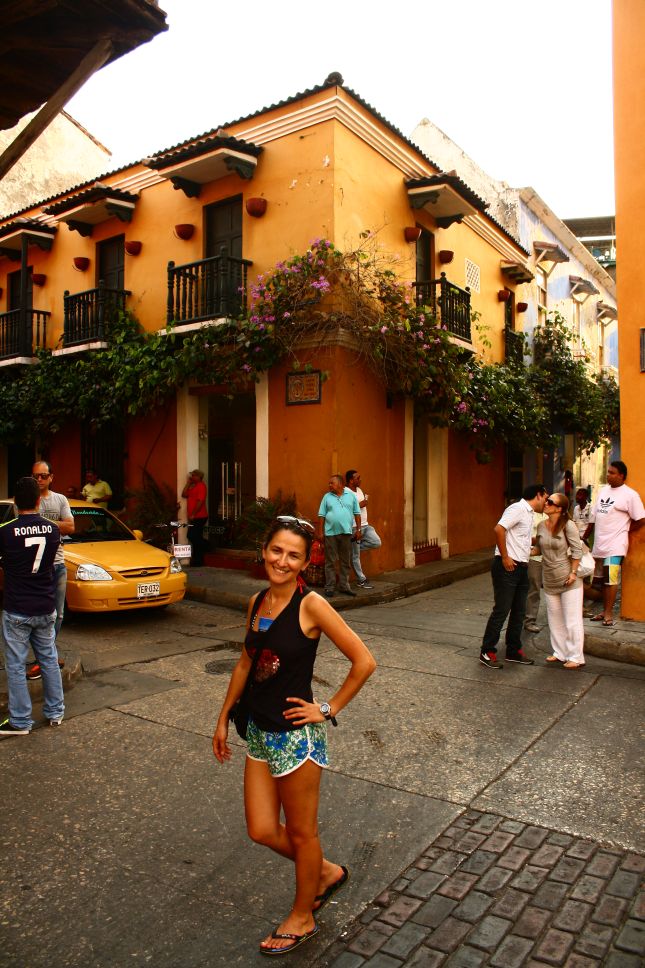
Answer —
489 659
6 729
364 584
55 722
33 669
532 627
520 658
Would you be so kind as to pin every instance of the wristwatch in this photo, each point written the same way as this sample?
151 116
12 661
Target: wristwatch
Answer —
325 709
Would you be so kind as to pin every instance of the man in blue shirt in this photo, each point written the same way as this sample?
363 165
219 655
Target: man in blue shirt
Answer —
338 510
28 546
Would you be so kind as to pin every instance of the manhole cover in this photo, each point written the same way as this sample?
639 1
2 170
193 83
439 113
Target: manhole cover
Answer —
219 667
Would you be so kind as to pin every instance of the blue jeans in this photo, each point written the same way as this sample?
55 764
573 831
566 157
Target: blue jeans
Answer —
20 632
369 540
510 589
60 571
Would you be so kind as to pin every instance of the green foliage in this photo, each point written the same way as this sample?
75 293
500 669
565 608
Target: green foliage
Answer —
254 522
154 505
308 301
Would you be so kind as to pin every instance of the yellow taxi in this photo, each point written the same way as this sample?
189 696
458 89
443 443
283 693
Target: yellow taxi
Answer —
109 567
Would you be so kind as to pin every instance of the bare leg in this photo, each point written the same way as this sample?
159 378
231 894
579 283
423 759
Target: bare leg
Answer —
263 798
609 600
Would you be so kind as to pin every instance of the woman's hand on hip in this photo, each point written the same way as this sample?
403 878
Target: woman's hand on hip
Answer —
221 749
302 712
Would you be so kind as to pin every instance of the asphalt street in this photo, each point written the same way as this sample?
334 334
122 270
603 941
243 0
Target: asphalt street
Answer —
124 842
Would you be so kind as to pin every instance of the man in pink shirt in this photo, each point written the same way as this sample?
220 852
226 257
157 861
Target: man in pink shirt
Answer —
617 511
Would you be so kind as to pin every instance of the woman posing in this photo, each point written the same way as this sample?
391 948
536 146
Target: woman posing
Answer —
287 732
562 588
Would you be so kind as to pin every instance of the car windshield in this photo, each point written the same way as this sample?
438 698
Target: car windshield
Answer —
96 524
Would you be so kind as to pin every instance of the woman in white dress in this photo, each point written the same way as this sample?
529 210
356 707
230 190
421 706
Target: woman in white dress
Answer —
558 541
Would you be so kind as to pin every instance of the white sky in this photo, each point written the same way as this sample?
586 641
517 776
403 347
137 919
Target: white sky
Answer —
523 86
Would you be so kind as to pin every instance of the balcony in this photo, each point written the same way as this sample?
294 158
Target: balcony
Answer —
209 289
448 303
21 333
513 346
88 316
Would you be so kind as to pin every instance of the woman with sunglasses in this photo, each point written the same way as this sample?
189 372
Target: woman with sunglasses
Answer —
559 544
287 731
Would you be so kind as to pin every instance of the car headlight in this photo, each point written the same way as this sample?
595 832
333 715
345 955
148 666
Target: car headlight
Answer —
175 566
92 573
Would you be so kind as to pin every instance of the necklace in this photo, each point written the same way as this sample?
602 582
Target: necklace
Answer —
269 602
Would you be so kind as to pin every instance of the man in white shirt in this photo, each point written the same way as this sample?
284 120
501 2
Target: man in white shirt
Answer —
369 538
582 516
617 511
509 573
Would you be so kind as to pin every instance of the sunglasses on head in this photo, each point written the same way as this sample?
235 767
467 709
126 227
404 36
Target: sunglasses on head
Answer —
307 525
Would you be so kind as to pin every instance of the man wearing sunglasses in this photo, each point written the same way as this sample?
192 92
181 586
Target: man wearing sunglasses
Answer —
509 573
55 507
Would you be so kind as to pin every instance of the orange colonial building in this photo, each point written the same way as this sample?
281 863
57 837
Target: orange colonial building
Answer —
629 130
174 237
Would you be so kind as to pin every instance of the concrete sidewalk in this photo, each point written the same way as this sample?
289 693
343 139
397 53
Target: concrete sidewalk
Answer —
624 642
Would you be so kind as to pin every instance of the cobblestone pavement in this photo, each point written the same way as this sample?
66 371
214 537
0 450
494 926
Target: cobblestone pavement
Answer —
491 891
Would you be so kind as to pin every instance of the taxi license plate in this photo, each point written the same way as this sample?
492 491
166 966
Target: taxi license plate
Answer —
148 589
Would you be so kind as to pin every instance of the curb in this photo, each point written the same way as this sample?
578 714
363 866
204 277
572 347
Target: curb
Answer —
389 592
631 652
71 672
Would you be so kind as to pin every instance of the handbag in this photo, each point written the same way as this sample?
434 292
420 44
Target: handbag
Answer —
240 710
587 564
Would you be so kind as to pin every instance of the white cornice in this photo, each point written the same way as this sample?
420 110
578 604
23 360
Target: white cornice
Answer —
335 108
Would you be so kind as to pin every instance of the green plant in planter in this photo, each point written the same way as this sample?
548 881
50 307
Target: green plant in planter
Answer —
154 504
256 518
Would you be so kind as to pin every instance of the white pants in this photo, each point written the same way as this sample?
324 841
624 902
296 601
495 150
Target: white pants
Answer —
564 614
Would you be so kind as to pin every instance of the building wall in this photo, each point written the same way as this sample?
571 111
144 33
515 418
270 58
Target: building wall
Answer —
475 496
65 154
629 129
352 428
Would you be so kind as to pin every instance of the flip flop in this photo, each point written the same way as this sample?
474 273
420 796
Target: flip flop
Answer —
600 617
331 890
607 623
297 940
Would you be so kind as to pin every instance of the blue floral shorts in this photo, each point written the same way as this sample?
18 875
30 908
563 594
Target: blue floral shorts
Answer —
285 751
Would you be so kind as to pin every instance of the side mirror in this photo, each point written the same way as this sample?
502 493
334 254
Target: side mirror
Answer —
138 534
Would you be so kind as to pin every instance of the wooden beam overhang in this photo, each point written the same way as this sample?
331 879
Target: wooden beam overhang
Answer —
445 197
15 236
606 313
517 272
581 289
191 166
92 206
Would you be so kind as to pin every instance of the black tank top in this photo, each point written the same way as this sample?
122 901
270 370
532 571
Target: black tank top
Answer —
284 667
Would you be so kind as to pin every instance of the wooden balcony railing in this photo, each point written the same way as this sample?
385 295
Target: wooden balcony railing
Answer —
22 331
88 314
449 303
513 346
208 289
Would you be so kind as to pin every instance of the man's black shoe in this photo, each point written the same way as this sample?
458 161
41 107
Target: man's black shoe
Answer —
329 593
520 658
348 591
